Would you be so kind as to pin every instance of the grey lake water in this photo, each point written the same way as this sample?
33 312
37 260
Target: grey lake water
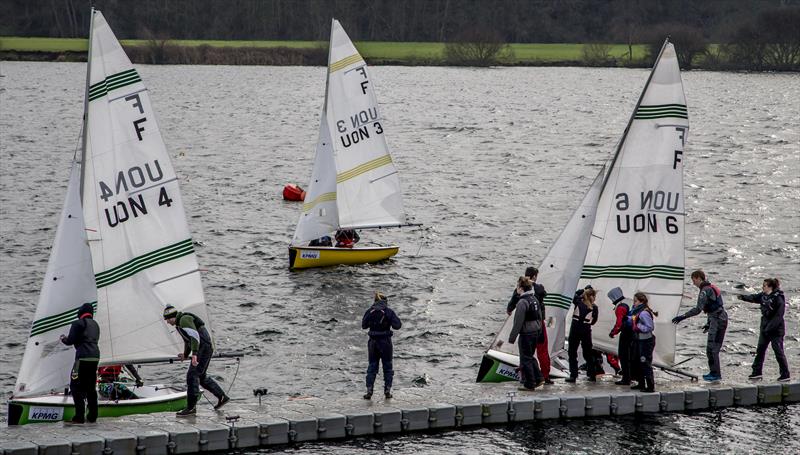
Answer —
492 162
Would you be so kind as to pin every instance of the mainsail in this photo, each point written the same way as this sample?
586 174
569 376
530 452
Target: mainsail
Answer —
638 238
354 183
68 284
367 185
142 250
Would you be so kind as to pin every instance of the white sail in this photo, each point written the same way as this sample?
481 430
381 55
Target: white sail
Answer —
68 284
560 270
320 215
638 238
367 185
559 274
142 249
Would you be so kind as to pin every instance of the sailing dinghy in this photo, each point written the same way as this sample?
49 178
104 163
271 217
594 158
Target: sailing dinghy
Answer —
354 183
122 243
630 232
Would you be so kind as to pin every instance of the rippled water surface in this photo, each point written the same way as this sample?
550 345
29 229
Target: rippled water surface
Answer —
492 161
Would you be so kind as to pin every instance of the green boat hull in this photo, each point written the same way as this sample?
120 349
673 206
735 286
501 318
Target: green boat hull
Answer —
21 412
493 370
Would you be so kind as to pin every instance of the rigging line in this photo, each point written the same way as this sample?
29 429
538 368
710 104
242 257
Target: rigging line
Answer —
131 193
128 94
176 276
382 177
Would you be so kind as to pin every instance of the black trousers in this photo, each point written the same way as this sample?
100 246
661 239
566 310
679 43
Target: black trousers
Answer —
624 350
528 366
646 348
379 350
197 376
82 384
580 335
776 340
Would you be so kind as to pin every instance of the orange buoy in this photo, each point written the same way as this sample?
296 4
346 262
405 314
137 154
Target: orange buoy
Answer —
293 192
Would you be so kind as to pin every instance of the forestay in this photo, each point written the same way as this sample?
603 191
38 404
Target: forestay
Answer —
367 184
638 237
68 284
142 250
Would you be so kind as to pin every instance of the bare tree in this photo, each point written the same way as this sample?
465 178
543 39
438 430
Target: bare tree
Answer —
596 54
688 40
476 47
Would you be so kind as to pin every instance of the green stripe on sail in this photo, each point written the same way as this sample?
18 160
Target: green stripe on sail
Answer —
57 320
662 111
324 197
557 300
345 62
636 272
366 167
143 262
113 82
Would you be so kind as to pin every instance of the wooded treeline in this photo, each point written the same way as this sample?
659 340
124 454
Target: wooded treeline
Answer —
517 21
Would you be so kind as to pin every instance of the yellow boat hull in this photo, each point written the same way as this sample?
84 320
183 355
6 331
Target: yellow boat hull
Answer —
304 257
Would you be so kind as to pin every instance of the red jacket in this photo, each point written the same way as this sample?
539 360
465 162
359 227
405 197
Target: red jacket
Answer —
621 311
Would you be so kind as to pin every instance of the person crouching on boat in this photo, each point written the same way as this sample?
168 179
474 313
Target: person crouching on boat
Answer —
528 325
84 334
623 328
580 332
709 301
643 324
380 320
197 346
773 327
346 238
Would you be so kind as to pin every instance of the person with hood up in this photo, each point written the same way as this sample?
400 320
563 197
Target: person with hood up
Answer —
527 325
198 347
542 350
773 328
709 301
84 334
380 320
623 328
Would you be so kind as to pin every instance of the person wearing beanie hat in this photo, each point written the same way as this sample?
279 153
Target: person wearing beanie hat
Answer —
380 319
197 345
623 328
84 334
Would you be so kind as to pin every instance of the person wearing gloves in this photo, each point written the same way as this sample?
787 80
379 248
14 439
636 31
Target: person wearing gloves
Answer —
380 320
709 301
623 328
772 328
580 333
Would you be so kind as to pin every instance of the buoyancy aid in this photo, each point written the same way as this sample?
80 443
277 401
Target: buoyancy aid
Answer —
717 303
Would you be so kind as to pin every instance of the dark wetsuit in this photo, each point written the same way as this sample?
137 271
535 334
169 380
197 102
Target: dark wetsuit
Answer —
772 330
84 335
197 341
580 334
380 319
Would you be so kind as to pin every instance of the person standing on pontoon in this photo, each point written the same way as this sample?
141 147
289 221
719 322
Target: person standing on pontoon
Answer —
772 329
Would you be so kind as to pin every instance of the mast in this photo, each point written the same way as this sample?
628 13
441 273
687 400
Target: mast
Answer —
86 99
633 114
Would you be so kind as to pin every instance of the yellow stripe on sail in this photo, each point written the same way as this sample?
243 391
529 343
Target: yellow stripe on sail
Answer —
366 167
345 62
324 197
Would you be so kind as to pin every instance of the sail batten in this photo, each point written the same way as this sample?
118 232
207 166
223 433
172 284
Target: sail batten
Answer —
354 182
142 250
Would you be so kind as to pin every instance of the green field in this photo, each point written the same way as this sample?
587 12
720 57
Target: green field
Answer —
389 51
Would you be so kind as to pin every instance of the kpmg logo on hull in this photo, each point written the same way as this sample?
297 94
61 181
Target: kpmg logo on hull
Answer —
309 254
508 371
45 414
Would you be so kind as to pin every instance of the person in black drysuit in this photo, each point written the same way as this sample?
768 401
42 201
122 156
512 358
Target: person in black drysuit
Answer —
528 325
197 346
580 332
380 319
773 327
84 335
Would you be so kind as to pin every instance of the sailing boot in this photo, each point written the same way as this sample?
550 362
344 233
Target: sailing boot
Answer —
222 401
649 385
368 395
187 412
387 393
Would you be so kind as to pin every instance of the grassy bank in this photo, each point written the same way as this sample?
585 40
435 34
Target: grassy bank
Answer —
242 52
